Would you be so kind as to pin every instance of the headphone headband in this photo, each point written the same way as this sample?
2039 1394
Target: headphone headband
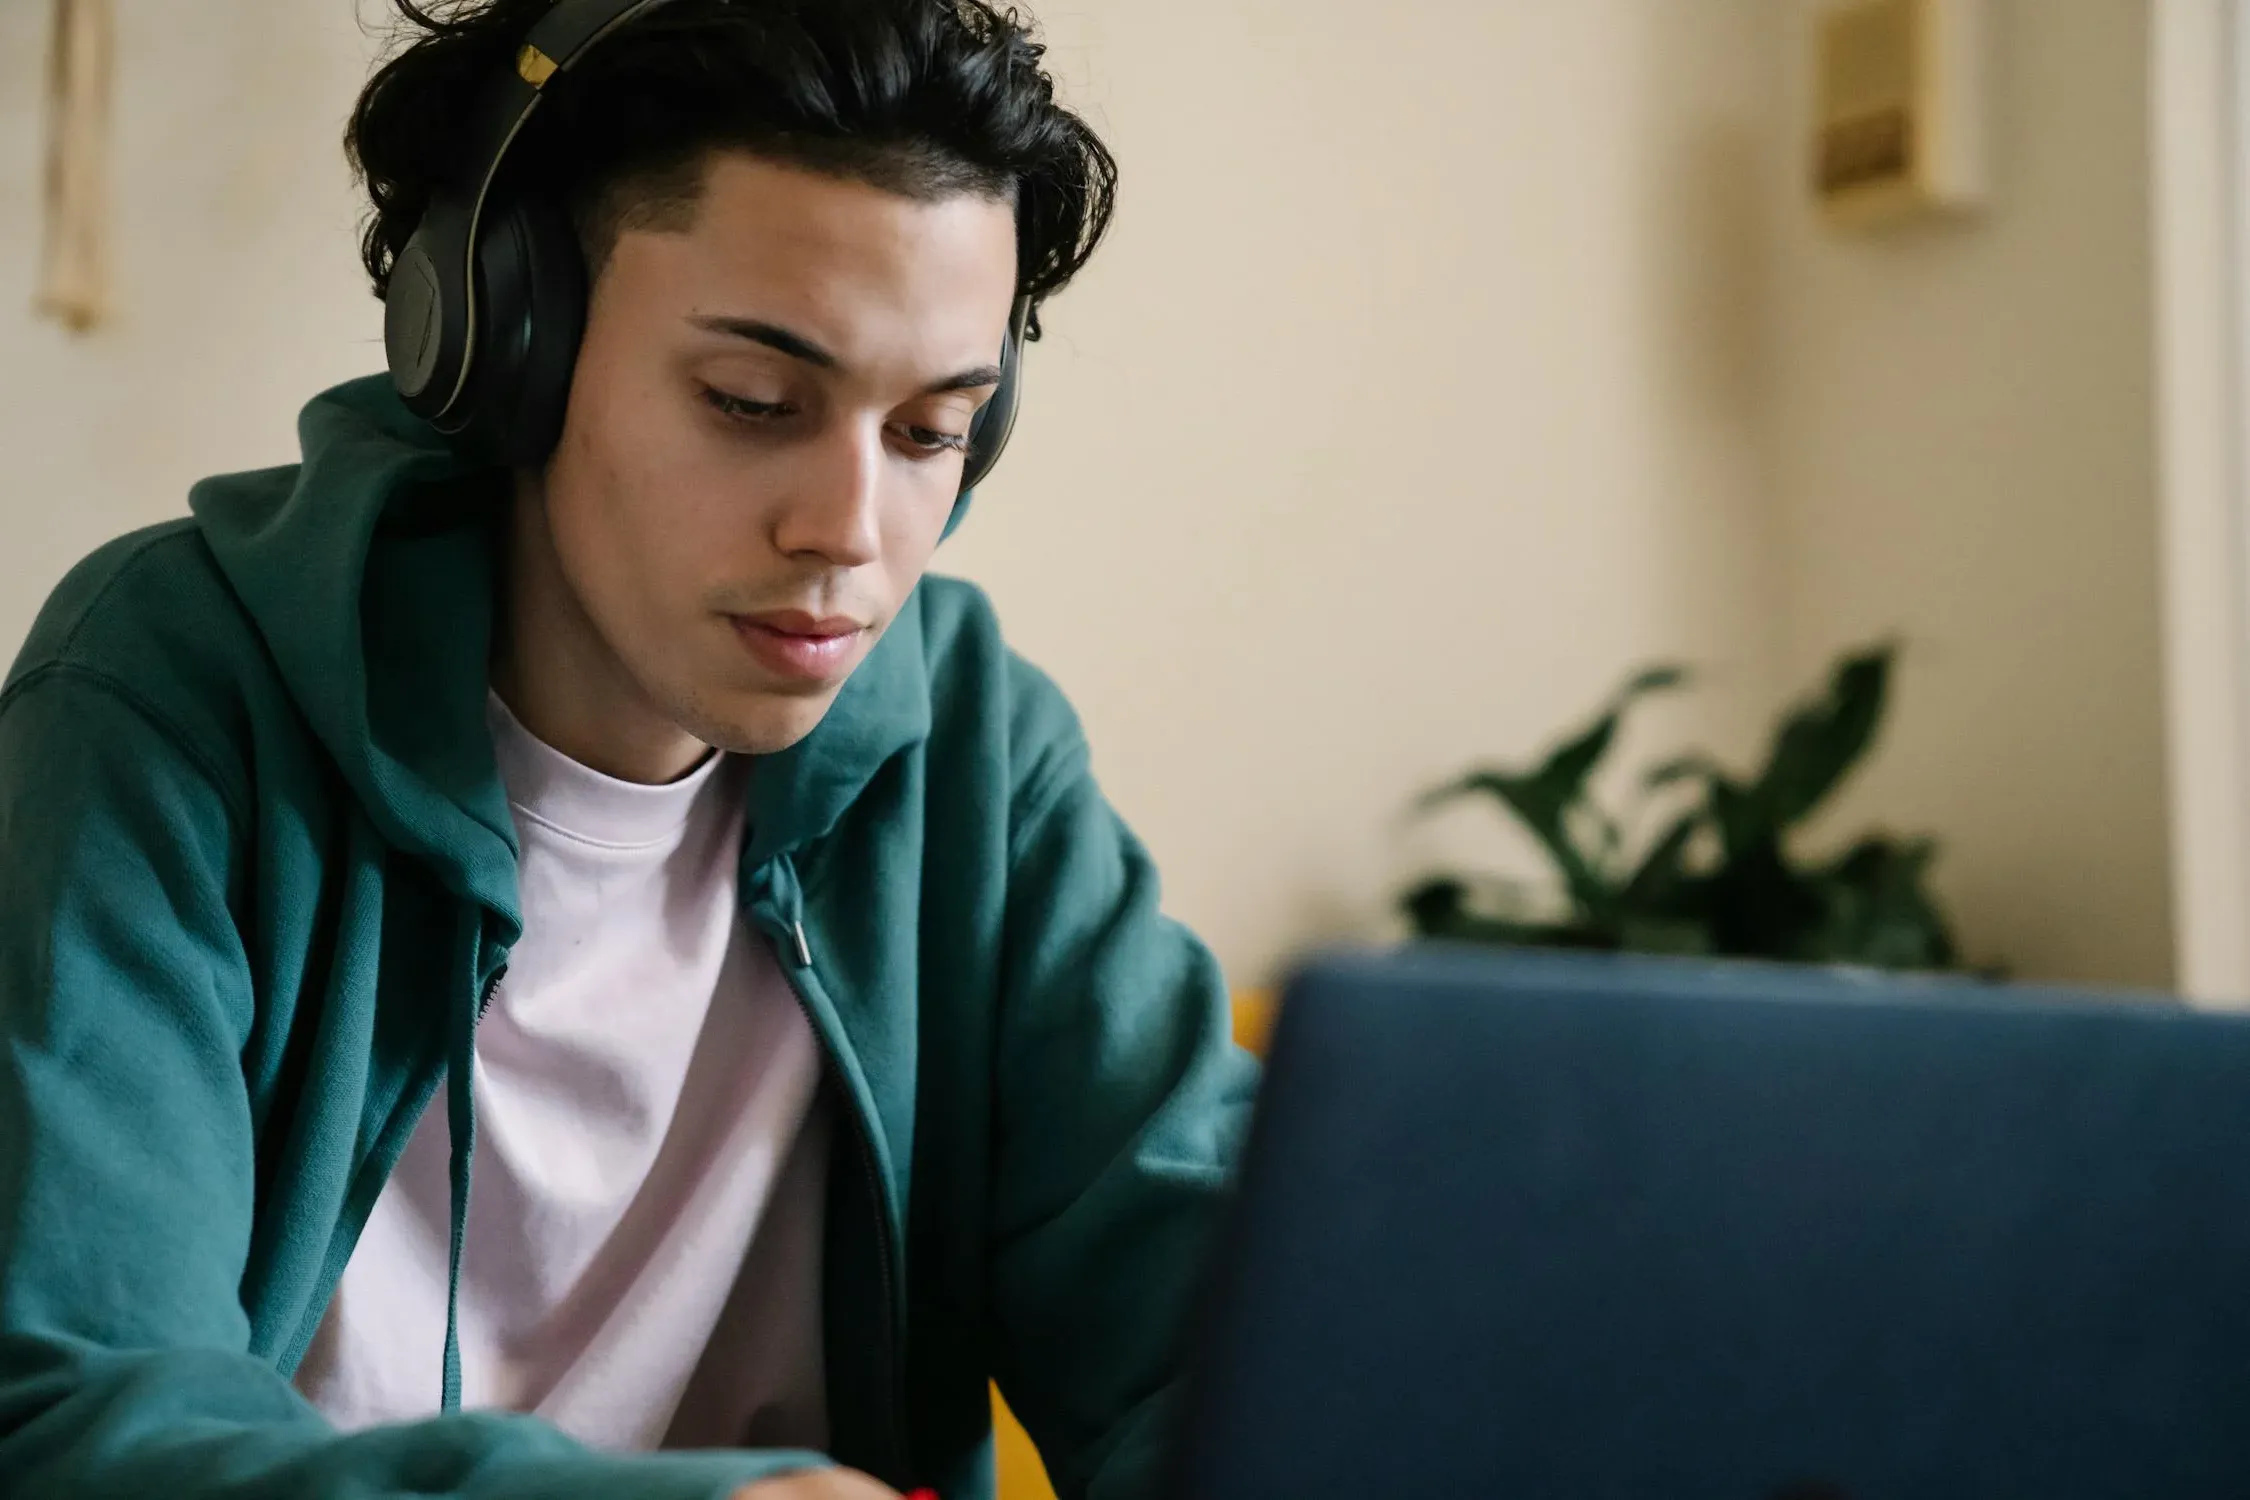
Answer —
553 45
555 42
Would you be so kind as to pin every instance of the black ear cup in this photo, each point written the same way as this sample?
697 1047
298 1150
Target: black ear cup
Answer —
988 434
411 322
531 315
425 314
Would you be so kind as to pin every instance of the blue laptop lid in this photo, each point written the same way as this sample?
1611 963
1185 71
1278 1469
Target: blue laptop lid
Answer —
1563 1226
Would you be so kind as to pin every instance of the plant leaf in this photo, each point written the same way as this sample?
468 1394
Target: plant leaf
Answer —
1663 870
1439 912
1551 801
1823 739
1760 906
1657 679
1537 805
1567 768
1679 937
1739 817
1434 905
1595 831
1880 911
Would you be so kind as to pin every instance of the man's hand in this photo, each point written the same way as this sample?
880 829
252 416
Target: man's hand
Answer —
818 1484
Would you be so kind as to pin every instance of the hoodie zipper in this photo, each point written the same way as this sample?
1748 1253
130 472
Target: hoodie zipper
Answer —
450 1398
871 1175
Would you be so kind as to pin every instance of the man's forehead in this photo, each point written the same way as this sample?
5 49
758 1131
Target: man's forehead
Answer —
757 208
860 273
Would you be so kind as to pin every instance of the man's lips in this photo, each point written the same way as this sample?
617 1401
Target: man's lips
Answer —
794 644
797 622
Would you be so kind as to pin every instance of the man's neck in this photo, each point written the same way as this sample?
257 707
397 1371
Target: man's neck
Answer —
558 676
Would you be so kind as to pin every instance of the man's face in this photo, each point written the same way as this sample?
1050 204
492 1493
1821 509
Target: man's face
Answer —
765 438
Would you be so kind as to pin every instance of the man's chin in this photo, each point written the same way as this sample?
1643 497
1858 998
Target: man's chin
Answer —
766 724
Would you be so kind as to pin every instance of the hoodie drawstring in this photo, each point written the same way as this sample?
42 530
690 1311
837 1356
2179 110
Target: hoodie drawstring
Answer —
460 1068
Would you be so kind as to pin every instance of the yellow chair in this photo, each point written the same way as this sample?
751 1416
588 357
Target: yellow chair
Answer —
1022 1475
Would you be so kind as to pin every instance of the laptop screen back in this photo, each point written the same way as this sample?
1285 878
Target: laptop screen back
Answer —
1550 1226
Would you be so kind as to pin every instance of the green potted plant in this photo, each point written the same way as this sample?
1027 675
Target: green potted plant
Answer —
1720 877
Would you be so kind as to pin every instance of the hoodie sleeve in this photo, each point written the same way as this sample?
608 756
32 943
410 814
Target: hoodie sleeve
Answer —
127 1180
1122 1109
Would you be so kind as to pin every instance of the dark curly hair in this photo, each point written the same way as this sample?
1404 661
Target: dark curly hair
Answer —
927 98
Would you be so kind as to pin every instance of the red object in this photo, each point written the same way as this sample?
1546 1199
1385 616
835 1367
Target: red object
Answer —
923 1495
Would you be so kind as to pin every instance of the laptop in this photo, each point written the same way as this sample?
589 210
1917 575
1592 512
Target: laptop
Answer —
1571 1227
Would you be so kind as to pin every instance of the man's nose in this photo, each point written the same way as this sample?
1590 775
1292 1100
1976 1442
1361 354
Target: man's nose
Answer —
833 514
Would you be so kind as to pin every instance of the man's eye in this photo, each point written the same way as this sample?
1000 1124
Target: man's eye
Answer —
932 441
744 407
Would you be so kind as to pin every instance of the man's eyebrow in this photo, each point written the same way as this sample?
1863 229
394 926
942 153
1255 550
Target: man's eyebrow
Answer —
967 380
772 335
796 346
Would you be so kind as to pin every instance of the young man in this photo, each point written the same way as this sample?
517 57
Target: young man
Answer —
539 956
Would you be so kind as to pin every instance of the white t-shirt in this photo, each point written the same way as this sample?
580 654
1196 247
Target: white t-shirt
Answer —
642 1262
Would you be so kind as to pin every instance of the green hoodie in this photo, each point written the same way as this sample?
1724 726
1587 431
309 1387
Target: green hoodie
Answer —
257 876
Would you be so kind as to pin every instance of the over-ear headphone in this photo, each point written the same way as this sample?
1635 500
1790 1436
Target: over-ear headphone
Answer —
487 302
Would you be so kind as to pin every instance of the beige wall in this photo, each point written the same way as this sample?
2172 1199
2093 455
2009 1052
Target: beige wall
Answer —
1963 452
1412 403
240 293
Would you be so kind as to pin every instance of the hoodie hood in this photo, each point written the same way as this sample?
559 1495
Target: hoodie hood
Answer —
371 569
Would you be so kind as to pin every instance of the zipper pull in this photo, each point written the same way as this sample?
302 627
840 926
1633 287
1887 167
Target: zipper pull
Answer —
804 949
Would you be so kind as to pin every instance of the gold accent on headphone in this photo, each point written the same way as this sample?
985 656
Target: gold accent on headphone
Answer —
534 66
